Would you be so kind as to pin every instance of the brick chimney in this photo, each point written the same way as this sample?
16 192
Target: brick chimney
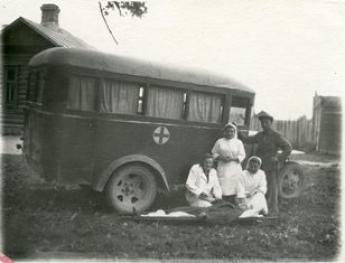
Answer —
50 15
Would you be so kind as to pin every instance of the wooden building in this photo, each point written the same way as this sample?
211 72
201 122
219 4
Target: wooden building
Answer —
21 40
327 120
322 133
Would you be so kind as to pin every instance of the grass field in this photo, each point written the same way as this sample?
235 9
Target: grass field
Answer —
42 222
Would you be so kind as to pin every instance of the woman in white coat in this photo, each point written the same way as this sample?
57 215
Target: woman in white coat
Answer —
202 184
252 188
229 153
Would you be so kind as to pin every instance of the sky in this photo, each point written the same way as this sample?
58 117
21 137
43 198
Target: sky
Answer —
284 50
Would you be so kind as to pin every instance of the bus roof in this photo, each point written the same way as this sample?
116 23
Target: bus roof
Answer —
130 66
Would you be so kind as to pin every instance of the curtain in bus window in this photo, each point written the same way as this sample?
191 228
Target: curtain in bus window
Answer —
164 103
31 85
81 93
119 96
205 107
40 87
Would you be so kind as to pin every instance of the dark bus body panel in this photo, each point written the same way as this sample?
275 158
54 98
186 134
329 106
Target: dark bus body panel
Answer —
76 147
74 150
59 150
78 150
175 156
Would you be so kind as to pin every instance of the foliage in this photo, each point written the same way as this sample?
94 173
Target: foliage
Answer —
135 8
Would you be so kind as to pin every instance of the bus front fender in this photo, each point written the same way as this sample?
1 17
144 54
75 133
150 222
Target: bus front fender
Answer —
102 180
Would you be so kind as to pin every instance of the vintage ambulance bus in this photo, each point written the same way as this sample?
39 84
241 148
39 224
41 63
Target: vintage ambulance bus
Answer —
124 126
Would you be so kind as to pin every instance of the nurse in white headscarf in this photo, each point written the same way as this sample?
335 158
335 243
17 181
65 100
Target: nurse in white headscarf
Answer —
229 153
251 189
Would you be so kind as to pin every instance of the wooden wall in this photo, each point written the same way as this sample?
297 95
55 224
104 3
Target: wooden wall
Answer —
330 133
321 133
327 124
13 118
298 132
20 44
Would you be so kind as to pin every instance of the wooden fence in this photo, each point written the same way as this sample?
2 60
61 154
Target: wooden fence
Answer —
299 132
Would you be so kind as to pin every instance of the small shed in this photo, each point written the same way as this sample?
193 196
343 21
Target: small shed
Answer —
21 40
327 120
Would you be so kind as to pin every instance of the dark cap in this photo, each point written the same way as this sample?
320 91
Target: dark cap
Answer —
264 115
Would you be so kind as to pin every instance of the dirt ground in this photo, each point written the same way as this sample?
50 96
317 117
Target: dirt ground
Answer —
42 222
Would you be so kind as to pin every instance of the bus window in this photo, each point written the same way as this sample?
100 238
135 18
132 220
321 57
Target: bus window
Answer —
237 115
117 96
31 85
36 81
185 102
205 107
141 100
164 102
81 93
238 110
40 86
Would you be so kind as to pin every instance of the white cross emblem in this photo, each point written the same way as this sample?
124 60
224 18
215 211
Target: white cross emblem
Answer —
161 135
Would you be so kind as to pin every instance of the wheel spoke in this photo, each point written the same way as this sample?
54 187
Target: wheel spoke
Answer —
286 185
134 199
139 189
124 199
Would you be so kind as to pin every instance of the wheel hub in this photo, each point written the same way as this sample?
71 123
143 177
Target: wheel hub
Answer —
291 182
131 189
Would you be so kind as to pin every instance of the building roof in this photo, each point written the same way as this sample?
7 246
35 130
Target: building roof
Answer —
57 36
93 59
332 101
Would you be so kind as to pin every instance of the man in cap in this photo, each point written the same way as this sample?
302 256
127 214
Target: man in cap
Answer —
269 142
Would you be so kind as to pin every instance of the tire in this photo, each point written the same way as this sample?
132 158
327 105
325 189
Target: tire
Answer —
291 181
131 189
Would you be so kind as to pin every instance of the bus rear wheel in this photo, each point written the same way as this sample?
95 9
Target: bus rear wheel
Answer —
131 189
291 181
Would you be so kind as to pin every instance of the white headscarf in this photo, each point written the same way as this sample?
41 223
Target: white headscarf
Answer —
251 158
232 125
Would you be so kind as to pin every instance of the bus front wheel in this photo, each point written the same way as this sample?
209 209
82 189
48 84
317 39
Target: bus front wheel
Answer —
131 189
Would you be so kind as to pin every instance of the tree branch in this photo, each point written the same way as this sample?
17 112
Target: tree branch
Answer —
106 23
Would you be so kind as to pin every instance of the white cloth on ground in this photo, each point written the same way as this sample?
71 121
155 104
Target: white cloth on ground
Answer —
162 213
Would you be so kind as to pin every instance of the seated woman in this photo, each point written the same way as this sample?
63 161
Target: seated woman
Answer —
251 189
202 184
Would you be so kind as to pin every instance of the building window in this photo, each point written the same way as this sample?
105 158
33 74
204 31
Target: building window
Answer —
117 96
11 84
163 102
205 107
82 93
